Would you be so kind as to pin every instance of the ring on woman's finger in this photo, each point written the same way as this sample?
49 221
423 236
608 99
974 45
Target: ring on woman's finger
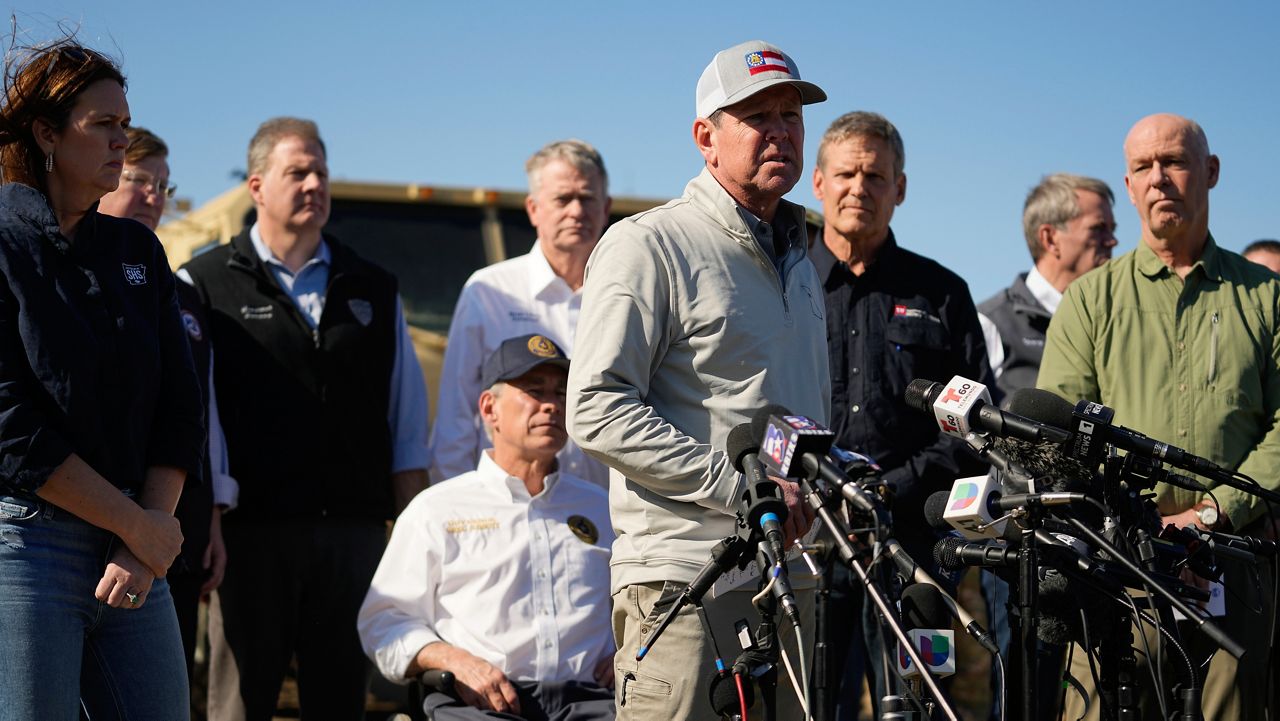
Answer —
133 598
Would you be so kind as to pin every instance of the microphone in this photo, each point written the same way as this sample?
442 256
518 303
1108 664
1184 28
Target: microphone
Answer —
1089 428
1256 546
762 505
794 447
786 439
954 554
962 406
934 508
912 571
1038 500
724 694
1060 600
1045 462
1059 551
969 507
927 623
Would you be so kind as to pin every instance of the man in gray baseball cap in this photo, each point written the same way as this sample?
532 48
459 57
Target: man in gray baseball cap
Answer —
695 315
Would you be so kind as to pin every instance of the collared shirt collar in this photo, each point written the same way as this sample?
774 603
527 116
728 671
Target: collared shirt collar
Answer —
543 280
1042 291
826 262
507 485
322 255
1150 265
765 234
705 192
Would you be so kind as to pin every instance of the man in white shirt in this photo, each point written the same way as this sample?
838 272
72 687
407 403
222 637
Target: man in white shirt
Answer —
503 579
540 292
1070 230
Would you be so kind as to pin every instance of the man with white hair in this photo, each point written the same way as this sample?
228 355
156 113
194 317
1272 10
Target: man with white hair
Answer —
539 292
1070 230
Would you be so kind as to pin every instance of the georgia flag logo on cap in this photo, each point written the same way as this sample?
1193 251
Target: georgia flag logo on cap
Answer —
763 61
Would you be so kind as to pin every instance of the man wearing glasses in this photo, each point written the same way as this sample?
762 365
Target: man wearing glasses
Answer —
144 182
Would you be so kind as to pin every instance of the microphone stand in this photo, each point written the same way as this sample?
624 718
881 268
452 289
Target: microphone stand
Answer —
760 661
844 548
1028 561
1028 598
1209 628
822 698
728 552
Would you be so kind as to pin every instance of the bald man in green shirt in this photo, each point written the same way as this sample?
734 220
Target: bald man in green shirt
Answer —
1182 339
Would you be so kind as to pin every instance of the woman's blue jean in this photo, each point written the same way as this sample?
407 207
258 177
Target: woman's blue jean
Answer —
60 646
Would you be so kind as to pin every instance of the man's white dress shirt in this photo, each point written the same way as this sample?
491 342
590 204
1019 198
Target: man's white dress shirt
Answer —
519 581
508 299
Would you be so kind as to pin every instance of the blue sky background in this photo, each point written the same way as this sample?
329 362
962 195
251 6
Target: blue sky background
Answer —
989 96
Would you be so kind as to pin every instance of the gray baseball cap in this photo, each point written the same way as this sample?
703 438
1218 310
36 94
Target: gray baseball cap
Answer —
744 70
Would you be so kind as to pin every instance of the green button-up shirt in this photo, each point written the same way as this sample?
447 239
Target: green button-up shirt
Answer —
1190 362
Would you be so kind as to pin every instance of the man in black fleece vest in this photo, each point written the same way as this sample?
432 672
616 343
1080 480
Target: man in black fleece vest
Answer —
324 410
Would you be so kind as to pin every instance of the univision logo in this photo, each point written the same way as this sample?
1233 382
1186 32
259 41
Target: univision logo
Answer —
935 649
963 496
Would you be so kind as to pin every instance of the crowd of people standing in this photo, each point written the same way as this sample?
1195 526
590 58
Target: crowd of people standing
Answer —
245 430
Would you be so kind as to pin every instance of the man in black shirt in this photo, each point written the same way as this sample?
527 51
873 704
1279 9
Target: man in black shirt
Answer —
892 316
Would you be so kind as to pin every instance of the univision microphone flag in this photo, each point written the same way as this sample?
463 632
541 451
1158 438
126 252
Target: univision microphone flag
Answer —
937 648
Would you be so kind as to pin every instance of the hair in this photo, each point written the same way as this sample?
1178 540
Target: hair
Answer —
144 144
862 124
1053 202
577 153
495 390
271 132
1266 245
43 83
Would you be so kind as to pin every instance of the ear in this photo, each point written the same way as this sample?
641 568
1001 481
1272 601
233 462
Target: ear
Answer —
817 184
1214 165
703 132
487 405
531 209
46 137
255 188
608 206
1046 235
1128 187
902 188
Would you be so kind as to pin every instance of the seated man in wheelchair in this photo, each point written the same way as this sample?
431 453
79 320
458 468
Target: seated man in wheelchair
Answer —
501 575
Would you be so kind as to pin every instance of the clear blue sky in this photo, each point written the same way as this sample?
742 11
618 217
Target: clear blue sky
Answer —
989 96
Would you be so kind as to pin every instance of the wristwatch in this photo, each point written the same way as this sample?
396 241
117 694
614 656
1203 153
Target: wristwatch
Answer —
1208 515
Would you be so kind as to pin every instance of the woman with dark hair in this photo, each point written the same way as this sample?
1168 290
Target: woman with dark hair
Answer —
100 414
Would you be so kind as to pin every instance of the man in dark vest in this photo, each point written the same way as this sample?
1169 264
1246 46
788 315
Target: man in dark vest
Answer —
324 411
1070 231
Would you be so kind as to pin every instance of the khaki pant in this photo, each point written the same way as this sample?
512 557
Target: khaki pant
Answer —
1232 691
672 682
